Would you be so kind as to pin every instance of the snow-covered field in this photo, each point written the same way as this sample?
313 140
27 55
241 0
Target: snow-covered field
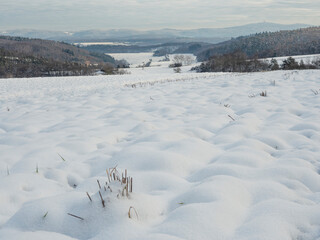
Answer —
209 157
136 60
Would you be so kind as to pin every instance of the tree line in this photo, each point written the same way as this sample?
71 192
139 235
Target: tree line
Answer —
239 62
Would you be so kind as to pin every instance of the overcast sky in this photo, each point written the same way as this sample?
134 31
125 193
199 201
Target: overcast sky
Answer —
72 15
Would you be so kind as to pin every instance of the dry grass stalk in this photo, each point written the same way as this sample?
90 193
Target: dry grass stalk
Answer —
130 184
127 188
102 201
231 118
45 215
61 157
129 212
99 184
72 215
89 197
108 175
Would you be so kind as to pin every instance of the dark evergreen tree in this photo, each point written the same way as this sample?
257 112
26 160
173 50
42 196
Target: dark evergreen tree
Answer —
274 64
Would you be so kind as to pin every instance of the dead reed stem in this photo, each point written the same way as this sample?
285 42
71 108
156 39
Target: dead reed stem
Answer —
89 196
231 117
102 201
108 175
72 215
99 184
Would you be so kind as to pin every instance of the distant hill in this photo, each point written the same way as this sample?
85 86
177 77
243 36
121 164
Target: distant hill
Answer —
240 30
268 44
211 35
57 51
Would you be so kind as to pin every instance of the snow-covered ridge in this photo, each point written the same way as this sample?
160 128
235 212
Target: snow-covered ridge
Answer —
209 156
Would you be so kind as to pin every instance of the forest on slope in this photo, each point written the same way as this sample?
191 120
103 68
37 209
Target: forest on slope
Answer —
268 44
57 51
24 57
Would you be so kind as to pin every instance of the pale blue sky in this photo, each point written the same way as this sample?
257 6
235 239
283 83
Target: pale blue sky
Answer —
72 15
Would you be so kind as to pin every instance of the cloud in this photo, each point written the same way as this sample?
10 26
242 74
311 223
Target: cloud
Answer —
150 14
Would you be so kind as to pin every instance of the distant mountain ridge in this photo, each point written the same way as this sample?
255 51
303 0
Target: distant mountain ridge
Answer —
213 35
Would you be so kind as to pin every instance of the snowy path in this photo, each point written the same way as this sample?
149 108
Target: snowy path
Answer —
198 174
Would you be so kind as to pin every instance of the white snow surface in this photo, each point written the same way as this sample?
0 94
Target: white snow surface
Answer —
210 158
136 60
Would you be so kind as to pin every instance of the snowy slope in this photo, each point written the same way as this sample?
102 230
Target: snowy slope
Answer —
210 158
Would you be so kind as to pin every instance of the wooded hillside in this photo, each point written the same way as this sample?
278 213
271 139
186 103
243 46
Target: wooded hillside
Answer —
268 44
57 51
23 57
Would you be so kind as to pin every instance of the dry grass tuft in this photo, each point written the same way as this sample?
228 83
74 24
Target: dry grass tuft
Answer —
117 186
263 93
